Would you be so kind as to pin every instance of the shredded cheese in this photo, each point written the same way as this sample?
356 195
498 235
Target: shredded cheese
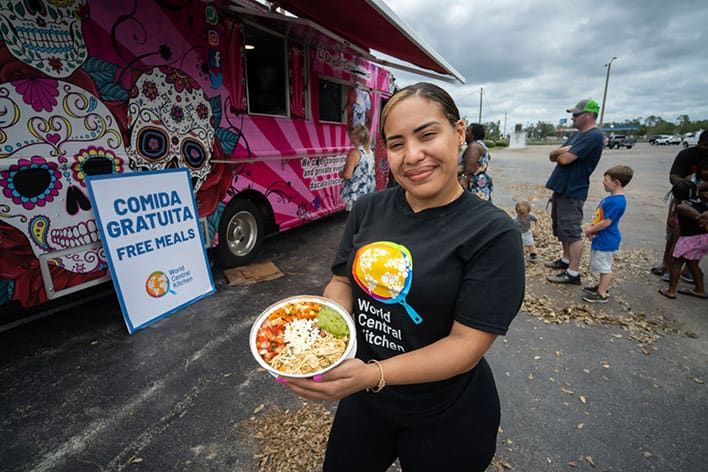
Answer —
301 334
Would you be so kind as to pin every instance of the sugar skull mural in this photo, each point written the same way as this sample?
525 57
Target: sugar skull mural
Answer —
170 124
52 135
45 34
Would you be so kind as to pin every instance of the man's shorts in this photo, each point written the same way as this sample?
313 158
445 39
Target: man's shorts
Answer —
567 217
601 261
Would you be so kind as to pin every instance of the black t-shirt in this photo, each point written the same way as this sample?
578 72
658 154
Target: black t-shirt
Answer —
460 262
687 161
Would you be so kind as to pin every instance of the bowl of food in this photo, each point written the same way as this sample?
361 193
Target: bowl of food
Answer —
302 336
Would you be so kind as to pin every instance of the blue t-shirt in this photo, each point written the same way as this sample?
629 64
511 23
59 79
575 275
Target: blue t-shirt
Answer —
573 180
611 208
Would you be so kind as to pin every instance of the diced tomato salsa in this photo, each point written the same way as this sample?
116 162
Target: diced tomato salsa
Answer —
270 337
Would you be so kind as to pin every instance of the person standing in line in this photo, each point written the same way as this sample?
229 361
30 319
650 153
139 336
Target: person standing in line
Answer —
575 162
475 162
685 167
692 243
604 231
526 221
358 171
432 275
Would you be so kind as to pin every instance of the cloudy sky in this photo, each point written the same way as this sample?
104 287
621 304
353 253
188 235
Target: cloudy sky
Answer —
536 59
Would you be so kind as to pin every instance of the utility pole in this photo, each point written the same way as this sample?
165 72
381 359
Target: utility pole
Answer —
481 92
504 133
604 94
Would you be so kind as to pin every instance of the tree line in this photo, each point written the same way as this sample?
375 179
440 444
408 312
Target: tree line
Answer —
651 125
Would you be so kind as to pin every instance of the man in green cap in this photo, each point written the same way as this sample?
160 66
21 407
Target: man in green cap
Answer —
575 162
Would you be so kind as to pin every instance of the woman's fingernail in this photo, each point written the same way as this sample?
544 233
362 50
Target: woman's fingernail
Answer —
317 378
281 380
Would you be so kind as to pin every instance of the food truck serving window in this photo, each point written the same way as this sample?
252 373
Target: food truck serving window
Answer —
266 74
331 101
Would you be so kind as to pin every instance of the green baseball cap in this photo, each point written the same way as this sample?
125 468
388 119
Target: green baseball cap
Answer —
587 105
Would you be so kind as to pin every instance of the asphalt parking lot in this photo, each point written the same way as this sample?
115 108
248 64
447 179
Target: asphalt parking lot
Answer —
614 388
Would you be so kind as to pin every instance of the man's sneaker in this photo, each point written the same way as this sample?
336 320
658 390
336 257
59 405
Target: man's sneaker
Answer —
595 297
557 264
658 270
564 278
593 289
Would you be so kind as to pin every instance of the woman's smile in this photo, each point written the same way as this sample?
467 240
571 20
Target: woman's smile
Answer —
419 174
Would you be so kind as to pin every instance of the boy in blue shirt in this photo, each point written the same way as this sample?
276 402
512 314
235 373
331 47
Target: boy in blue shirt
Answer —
604 231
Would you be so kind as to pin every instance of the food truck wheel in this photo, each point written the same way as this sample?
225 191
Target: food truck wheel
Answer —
240 233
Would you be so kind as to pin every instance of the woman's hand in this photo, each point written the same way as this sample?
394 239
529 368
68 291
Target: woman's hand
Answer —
349 377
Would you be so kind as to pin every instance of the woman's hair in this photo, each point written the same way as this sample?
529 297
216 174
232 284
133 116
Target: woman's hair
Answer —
703 138
425 90
622 173
523 206
361 135
474 131
684 190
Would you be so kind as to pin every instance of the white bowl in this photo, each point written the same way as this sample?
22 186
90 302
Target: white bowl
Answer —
349 352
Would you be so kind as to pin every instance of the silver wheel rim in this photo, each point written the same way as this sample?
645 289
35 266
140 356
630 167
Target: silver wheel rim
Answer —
242 232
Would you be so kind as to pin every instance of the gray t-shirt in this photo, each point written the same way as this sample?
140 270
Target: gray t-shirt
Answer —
525 225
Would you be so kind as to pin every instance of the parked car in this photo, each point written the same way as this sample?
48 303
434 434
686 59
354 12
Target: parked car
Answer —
691 139
653 138
668 139
619 140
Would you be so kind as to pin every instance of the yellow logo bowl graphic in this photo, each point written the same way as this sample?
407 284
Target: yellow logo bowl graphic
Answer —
157 284
383 269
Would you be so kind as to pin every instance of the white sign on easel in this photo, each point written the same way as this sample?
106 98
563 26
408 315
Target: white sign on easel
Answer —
150 231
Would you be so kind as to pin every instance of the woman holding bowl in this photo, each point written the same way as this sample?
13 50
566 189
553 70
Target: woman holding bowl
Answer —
432 275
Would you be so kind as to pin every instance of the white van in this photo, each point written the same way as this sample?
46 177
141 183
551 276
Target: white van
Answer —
691 139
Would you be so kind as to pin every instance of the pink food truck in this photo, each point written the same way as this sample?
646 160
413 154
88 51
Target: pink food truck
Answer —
256 100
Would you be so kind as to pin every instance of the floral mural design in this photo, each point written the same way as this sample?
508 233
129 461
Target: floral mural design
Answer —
31 182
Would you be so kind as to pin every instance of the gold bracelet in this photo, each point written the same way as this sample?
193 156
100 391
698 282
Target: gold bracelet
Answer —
382 381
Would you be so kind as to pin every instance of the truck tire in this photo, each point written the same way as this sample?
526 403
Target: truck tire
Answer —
629 146
240 233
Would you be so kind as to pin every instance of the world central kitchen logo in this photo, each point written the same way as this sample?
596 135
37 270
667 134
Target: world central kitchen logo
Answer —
158 283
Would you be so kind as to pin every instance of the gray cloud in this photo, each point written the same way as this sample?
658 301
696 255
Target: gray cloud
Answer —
535 59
